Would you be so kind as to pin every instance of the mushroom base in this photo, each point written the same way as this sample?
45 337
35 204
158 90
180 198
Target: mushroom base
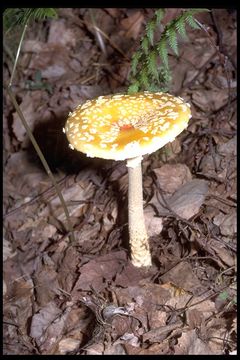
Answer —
140 252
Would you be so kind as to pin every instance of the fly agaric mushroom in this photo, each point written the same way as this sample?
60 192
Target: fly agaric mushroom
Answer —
125 127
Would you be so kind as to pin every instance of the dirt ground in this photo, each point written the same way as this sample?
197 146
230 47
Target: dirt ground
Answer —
85 297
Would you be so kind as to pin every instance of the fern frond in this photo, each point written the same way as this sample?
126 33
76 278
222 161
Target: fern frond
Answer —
165 75
192 22
162 50
172 39
152 65
144 80
180 27
20 16
147 74
145 45
150 27
133 88
135 60
159 15
155 88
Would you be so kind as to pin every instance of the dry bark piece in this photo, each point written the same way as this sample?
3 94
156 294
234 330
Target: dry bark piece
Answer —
125 127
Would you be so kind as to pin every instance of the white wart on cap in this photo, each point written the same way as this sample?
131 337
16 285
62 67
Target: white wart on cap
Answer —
120 127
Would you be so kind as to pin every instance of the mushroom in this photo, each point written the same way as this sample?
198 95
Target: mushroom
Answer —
126 127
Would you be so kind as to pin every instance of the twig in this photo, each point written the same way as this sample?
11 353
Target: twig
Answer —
34 199
224 201
87 24
33 140
98 33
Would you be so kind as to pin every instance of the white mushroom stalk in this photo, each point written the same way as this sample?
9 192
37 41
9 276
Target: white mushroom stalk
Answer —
139 245
125 127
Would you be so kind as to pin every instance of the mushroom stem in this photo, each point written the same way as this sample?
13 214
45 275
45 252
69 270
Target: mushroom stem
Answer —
140 252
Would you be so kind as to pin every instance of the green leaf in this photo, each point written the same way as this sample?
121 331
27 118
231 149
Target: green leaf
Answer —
20 16
172 39
145 45
159 15
154 88
192 22
135 60
151 25
165 75
133 88
180 27
38 76
162 50
152 64
144 78
223 296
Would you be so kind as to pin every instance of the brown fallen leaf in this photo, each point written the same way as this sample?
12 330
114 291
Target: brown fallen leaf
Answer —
190 344
183 277
185 202
154 349
59 33
47 327
171 177
68 345
29 108
210 100
132 25
46 284
224 254
98 272
154 224
227 223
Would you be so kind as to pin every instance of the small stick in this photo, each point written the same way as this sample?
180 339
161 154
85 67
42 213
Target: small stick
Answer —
33 140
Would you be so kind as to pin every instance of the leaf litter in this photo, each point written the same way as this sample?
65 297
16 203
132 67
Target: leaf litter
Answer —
86 297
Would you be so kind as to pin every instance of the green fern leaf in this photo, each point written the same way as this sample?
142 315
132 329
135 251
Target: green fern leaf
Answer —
162 50
154 87
143 78
172 39
20 16
145 45
159 15
165 75
41 14
152 64
133 88
135 60
180 27
192 22
151 25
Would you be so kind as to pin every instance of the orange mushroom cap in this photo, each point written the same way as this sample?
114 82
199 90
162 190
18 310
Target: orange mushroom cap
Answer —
122 126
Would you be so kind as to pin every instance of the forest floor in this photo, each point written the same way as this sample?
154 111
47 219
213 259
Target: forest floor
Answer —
85 297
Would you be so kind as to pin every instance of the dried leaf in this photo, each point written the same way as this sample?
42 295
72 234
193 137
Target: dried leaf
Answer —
183 277
185 202
133 24
171 177
29 107
227 223
67 345
59 33
98 272
190 344
154 224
